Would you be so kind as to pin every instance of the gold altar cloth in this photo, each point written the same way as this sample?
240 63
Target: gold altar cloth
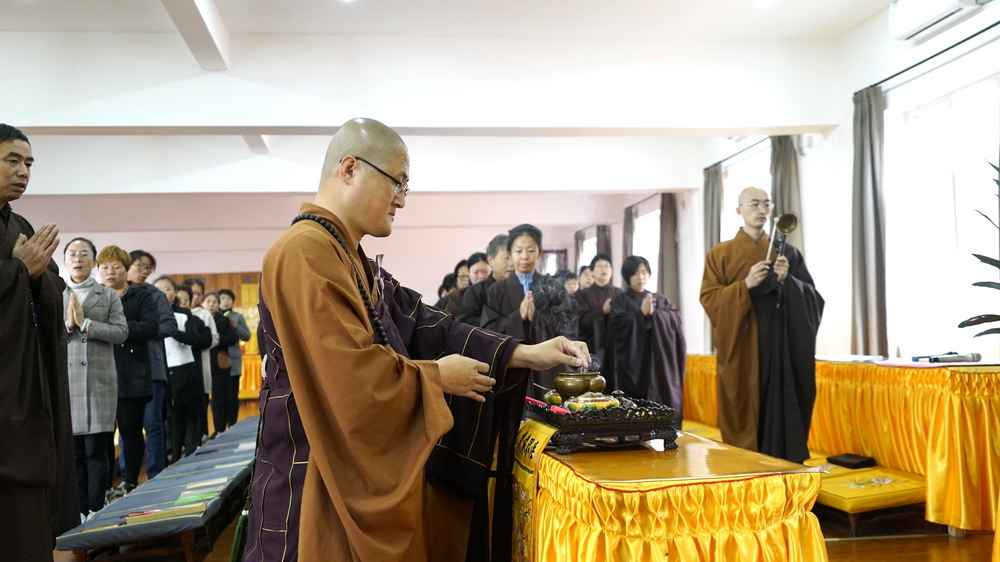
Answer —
940 422
705 501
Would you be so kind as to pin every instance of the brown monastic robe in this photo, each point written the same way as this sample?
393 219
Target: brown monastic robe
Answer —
726 300
765 341
360 419
37 483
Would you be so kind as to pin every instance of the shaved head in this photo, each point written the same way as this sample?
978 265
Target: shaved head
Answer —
752 193
362 137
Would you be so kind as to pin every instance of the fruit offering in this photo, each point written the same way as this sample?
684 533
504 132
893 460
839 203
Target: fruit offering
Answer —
590 401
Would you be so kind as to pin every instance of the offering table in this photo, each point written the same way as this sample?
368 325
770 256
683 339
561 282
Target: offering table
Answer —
942 422
703 501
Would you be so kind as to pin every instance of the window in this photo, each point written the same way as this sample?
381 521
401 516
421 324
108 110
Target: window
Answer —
588 252
646 243
937 177
749 169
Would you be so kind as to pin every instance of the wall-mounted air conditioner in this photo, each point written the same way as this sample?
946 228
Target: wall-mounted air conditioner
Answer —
921 19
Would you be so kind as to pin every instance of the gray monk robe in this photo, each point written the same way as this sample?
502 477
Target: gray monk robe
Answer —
350 425
38 496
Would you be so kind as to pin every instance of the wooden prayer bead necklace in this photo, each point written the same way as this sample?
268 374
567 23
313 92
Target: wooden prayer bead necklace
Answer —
376 321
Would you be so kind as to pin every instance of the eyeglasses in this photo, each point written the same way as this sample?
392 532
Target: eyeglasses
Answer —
143 268
400 188
766 205
82 255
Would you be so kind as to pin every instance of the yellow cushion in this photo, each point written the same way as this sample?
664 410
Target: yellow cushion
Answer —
868 489
702 430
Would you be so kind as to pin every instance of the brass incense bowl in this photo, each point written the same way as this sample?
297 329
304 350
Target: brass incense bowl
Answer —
569 385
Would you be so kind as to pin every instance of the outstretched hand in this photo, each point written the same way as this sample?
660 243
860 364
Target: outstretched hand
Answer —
462 376
548 354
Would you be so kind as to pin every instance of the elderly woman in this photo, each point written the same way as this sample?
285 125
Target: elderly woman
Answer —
95 323
135 382
645 330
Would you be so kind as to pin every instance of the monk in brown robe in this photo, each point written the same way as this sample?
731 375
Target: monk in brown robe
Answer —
765 321
364 382
38 498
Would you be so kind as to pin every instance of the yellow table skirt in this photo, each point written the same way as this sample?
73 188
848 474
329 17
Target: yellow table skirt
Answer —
939 422
584 512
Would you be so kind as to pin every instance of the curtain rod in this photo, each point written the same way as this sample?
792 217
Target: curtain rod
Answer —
731 156
939 53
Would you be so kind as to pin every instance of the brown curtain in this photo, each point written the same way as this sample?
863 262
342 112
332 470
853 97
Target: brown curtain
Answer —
713 205
869 335
668 278
578 238
603 239
785 184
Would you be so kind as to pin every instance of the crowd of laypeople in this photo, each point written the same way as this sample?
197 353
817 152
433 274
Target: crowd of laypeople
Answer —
634 334
150 359
144 358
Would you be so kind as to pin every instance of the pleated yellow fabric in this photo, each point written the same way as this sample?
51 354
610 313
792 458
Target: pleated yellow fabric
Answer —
964 450
751 519
939 422
700 401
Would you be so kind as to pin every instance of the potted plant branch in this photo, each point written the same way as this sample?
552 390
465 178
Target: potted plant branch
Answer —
986 318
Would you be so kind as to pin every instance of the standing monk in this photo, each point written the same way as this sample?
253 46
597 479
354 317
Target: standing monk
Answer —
364 382
37 480
765 321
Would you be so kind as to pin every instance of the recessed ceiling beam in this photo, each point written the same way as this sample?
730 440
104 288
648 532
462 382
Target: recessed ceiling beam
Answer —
202 28
257 144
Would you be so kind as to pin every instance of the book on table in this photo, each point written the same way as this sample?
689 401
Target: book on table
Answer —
194 508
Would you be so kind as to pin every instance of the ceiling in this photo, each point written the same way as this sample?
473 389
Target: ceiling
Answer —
665 20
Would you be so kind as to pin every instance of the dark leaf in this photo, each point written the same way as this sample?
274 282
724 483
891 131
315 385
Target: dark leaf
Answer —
988 332
985 216
982 319
986 259
990 284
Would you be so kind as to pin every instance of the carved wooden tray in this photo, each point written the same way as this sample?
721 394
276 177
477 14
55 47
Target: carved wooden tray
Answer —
608 427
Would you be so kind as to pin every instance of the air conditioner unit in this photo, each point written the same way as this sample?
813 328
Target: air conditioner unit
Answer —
921 19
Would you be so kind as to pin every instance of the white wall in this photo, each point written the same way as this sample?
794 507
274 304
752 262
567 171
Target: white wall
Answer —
866 55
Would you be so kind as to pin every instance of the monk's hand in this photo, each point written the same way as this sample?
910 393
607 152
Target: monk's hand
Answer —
35 252
758 272
781 268
647 305
607 306
462 376
556 351
528 307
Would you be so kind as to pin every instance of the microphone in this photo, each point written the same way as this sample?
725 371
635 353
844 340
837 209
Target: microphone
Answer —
950 357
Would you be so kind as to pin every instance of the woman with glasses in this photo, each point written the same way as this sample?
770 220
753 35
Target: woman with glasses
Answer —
135 383
95 323
649 346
